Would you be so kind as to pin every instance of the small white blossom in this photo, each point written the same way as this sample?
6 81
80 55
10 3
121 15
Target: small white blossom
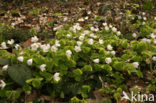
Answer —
90 41
154 41
136 64
17 46
2 84
54 48
34 39
101 41
154 18
4 68
42 67
79 43
148 40
93 36
10 42
110 26
134 35
96 60
30 61
143 13
109 47
108 60
68 53
81 20
57 43
139 17
92 28
77 48
144 40
68 35
154 58
152 35
144 18
86 17
81 38
113 52
108 52
45 47
56 77
3 45
106 28
20 58
118 33
89 12
34 46
104 24
143 23
86 32
114 29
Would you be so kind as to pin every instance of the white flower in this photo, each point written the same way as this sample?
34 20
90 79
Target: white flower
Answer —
118 33
114 29
20 58
104 24
154 58
110 26
3 45
54 48
108 52
56 77
34 39
100 41
96 60
57 43
90 41
29 62
148 40
81 20
86 32
113 52
136 64
65 19
42 67
109 47
79 43
45 47
34 46
154 41
89 12
96 29
152 35
10 42
143 23
154 18
2 84
134 35
93 36
92 28
108 60
77 48
68 35
143 13
68 53
81 38
17 46
144 40
139 17
106 28
144 18
4 68
86 17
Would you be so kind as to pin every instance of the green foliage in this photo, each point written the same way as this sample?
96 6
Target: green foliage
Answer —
19 73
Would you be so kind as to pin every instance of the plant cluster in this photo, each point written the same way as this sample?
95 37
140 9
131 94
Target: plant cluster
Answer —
77 62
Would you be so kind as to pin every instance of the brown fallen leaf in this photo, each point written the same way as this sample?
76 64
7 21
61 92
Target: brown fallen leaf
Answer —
31 97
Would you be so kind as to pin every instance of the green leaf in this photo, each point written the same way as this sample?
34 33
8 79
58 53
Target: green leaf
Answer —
4 61
19 73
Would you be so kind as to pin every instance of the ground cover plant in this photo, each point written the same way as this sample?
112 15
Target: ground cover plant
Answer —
81 62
